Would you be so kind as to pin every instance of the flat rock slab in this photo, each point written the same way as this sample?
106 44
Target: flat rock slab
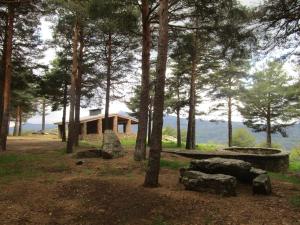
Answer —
233 167
111 147
255 172
262 185
224 185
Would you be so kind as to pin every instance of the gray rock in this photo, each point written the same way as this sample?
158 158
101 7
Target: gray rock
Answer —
233 167
111 147
224 185
262 185
255 172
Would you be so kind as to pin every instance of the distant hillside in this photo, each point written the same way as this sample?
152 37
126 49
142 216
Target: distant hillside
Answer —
33 127
217 132
206 131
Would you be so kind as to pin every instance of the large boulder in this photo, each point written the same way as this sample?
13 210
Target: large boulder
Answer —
111 147
224 185
262 185
233 167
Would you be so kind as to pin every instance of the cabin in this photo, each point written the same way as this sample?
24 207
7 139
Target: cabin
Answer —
92 126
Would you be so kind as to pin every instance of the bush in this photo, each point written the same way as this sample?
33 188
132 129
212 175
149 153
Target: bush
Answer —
243 138
295 153
274 145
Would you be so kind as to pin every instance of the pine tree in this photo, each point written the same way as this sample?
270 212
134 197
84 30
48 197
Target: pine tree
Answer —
267 105
151 178
22 19
115 22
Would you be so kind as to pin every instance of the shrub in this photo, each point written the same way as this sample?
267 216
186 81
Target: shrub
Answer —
295 153
264 145
243 138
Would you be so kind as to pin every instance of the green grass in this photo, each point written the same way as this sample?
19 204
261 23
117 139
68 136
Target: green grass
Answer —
294 166
285 177
29 165
209 147
295 201
90 144
174 165
128 142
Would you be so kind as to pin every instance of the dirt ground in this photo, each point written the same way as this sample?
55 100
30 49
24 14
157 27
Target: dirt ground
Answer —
110 192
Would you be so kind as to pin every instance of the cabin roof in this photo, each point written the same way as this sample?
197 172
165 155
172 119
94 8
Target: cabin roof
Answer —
101 116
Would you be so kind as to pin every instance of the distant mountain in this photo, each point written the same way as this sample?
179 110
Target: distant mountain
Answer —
33 127
217 132
206 131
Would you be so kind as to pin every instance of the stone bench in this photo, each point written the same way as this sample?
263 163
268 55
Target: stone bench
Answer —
224 185
239 169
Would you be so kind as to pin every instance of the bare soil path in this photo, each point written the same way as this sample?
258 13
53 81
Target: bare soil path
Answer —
39 184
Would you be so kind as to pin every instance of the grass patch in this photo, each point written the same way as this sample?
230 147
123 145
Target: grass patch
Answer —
295 201
128 142
209 147
90 144
294 166
174 165
30 165
284 177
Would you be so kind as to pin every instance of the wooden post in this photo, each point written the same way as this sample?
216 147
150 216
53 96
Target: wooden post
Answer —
99 127
128 127
115 124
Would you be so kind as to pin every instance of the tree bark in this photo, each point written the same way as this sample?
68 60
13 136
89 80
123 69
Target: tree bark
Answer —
2 68
269 128
190 138
74 78
63 132
78 87
20 122
229 121
152 174
7 78
43 115
140 145
17 122
178 127
108 82
149 123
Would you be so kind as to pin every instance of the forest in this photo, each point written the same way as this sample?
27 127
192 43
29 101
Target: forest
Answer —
184 58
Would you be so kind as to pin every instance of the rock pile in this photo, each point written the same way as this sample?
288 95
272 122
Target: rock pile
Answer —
220 176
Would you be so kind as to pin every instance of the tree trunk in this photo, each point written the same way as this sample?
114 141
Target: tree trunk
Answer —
229 121
43 115
78 88
17 122
74 78
108 83
7 78
140 145
152 174
178 127
63 131
2 68
149 123
269 128
190 138
20 123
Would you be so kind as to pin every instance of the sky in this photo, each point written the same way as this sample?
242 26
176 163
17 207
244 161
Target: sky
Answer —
117 106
